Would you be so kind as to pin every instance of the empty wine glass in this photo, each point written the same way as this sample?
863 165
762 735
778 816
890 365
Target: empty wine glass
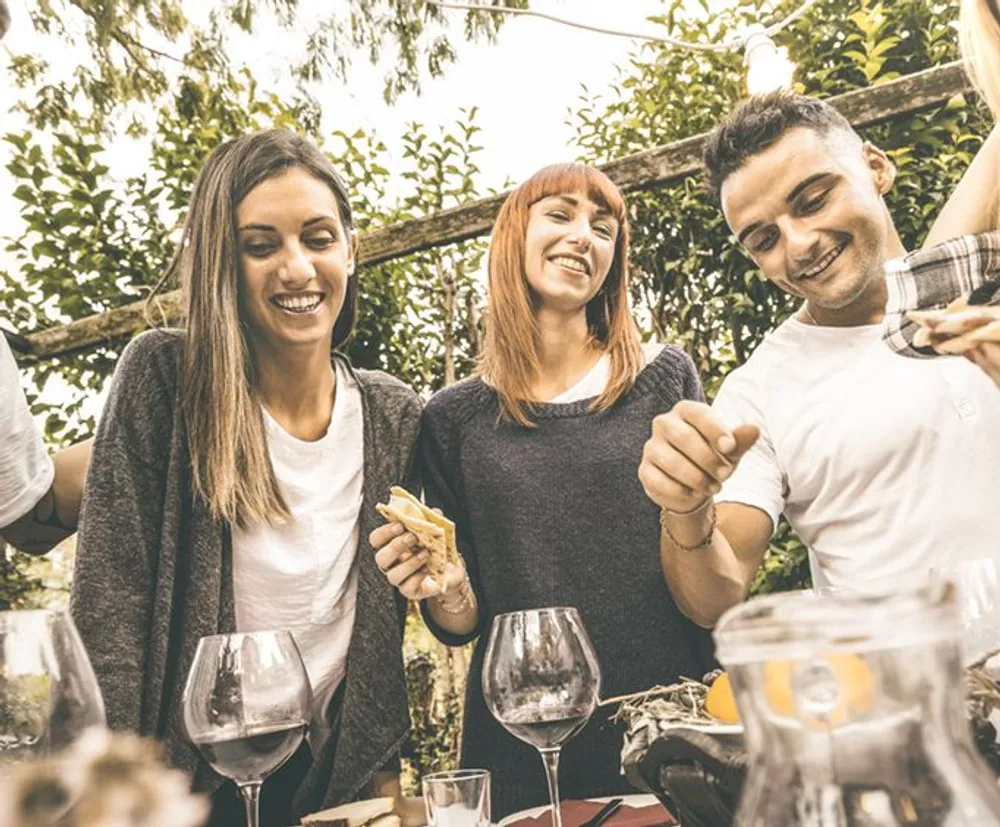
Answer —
48 692
541 681
247 704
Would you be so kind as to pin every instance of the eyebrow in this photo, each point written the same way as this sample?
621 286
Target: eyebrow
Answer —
267 227
795 193
569 199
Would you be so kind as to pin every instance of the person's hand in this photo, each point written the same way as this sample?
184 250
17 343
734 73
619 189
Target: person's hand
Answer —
987 356
689 455
404 564
4 18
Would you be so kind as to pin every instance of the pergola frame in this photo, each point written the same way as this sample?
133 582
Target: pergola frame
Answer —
642 171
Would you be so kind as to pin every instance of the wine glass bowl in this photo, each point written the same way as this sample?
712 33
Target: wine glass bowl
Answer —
48 691
542 681
247 704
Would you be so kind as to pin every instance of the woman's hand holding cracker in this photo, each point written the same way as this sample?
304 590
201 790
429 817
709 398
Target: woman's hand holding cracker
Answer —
399 556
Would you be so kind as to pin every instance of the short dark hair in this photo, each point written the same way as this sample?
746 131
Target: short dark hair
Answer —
759 122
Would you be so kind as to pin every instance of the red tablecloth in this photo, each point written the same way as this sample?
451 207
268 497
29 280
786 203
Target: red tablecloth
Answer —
574 813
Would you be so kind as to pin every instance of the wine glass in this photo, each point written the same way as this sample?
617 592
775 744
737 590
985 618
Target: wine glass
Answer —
541 681
48 692
247 704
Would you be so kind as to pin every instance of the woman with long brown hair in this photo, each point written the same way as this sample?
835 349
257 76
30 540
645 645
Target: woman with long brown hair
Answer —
536 458
234 479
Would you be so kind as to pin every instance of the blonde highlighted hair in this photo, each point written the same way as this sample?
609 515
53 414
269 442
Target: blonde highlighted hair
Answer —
979 34
510 361
230 463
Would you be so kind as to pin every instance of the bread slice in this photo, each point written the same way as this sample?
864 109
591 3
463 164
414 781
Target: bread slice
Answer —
434 532
354 814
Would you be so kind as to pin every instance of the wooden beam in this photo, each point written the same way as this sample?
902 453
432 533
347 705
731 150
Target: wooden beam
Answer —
18 343
644 170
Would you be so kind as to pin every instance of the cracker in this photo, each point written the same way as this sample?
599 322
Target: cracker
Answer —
435 533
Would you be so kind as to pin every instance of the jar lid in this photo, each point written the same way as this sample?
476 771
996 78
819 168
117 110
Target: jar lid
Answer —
805 624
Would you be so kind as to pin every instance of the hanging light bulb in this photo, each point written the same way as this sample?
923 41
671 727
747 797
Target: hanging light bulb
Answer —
768 67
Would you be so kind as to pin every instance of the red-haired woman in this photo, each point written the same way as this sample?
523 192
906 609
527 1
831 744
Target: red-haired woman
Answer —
536 458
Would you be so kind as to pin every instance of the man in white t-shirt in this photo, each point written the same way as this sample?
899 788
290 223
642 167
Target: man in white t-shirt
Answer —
39 496
884 466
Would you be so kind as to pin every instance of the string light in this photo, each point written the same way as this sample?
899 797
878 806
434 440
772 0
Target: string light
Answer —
768 66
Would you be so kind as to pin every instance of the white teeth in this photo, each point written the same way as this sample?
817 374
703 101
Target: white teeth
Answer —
298 303
571 263
823 264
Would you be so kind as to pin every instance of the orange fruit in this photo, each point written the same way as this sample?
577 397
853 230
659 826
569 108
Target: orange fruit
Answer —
720 703
854 683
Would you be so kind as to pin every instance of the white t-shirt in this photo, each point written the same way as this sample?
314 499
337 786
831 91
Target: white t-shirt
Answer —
885 466
593 382
301 576
25 468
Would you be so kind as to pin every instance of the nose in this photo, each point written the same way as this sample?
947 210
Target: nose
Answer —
297 269
802 243
580 233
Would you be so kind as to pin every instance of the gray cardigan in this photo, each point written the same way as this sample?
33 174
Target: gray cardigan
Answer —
153 573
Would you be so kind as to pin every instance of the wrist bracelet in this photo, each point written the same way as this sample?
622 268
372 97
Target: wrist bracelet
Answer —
700 507
464 603
665 514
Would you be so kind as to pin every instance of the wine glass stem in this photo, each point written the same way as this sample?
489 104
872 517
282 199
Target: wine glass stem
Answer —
550 757
251 798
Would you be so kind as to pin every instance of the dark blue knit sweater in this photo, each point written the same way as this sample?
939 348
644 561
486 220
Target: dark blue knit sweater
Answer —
556 516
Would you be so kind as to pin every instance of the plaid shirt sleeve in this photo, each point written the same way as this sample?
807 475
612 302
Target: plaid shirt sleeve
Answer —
933 278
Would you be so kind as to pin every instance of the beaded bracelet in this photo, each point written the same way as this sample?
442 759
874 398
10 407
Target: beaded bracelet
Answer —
701 545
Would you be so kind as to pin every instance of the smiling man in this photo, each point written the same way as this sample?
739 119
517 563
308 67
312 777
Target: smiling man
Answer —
881 464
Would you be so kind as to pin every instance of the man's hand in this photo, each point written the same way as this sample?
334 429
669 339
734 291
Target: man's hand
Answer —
690 454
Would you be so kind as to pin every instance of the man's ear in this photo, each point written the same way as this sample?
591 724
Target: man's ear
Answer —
883 170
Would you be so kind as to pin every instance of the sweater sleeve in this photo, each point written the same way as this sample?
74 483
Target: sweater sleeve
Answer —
442 489
120 528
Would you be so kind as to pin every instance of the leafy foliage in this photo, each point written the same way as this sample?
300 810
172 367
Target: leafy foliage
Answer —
17 585
138 48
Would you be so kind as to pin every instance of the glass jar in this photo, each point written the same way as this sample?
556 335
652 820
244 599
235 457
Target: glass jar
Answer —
854 711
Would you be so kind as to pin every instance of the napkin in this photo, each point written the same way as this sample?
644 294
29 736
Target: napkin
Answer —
575 813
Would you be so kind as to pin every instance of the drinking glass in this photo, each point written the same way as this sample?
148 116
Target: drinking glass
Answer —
541 681
48 692
247 704
460 798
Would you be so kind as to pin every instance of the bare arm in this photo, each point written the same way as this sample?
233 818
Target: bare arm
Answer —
56 514
973 206
708 559
707 581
